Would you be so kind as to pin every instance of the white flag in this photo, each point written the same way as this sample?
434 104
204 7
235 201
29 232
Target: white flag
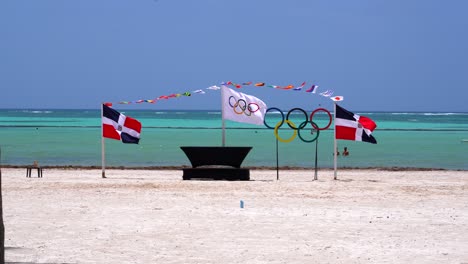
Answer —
337 98
242 108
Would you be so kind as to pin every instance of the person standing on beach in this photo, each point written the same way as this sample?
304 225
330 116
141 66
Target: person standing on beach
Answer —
345 151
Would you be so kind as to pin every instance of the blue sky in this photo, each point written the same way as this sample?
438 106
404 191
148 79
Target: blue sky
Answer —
381 55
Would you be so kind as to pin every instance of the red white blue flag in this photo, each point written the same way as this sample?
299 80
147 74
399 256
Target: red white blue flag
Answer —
312 89
300 87
349 126
120 127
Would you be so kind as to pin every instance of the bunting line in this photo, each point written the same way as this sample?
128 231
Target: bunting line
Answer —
313 90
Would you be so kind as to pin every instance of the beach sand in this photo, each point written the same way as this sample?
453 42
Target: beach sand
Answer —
152 216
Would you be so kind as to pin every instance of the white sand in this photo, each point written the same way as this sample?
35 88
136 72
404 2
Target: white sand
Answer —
368 216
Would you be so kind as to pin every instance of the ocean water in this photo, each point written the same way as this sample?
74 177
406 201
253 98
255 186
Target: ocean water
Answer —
72 137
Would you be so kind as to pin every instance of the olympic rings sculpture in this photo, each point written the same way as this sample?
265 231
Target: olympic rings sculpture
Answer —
242 107
297 130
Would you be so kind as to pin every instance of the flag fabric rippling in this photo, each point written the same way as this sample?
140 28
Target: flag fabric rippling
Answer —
242 108
349 126
120 127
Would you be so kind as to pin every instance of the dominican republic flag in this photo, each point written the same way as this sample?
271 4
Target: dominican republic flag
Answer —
349 126
117 126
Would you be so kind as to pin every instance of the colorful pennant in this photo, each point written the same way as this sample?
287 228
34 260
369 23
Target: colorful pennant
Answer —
312 89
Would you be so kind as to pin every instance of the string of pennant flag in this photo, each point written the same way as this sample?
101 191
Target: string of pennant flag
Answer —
312 89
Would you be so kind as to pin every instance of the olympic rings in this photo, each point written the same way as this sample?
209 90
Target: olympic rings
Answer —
297 130
242 105
291 124
315 125
302 124
316 134
282 117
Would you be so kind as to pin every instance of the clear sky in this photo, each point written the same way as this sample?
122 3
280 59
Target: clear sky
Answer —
381 55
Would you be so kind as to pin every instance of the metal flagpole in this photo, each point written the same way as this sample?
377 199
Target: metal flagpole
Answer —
2 225
222 117
316 159
103 155
277 160
335 147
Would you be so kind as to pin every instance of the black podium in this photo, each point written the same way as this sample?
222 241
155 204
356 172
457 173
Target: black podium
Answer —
217 163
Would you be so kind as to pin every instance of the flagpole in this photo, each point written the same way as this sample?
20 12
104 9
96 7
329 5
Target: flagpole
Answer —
103 155
2 225
223 142
277 161
316 158
335 147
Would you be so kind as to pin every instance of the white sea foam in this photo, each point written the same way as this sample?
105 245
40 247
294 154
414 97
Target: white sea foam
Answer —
37 111
428 113
439 114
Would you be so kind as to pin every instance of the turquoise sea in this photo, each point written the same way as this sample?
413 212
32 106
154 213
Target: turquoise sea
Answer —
72 138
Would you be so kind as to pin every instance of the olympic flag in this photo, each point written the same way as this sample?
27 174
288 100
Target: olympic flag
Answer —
241 107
